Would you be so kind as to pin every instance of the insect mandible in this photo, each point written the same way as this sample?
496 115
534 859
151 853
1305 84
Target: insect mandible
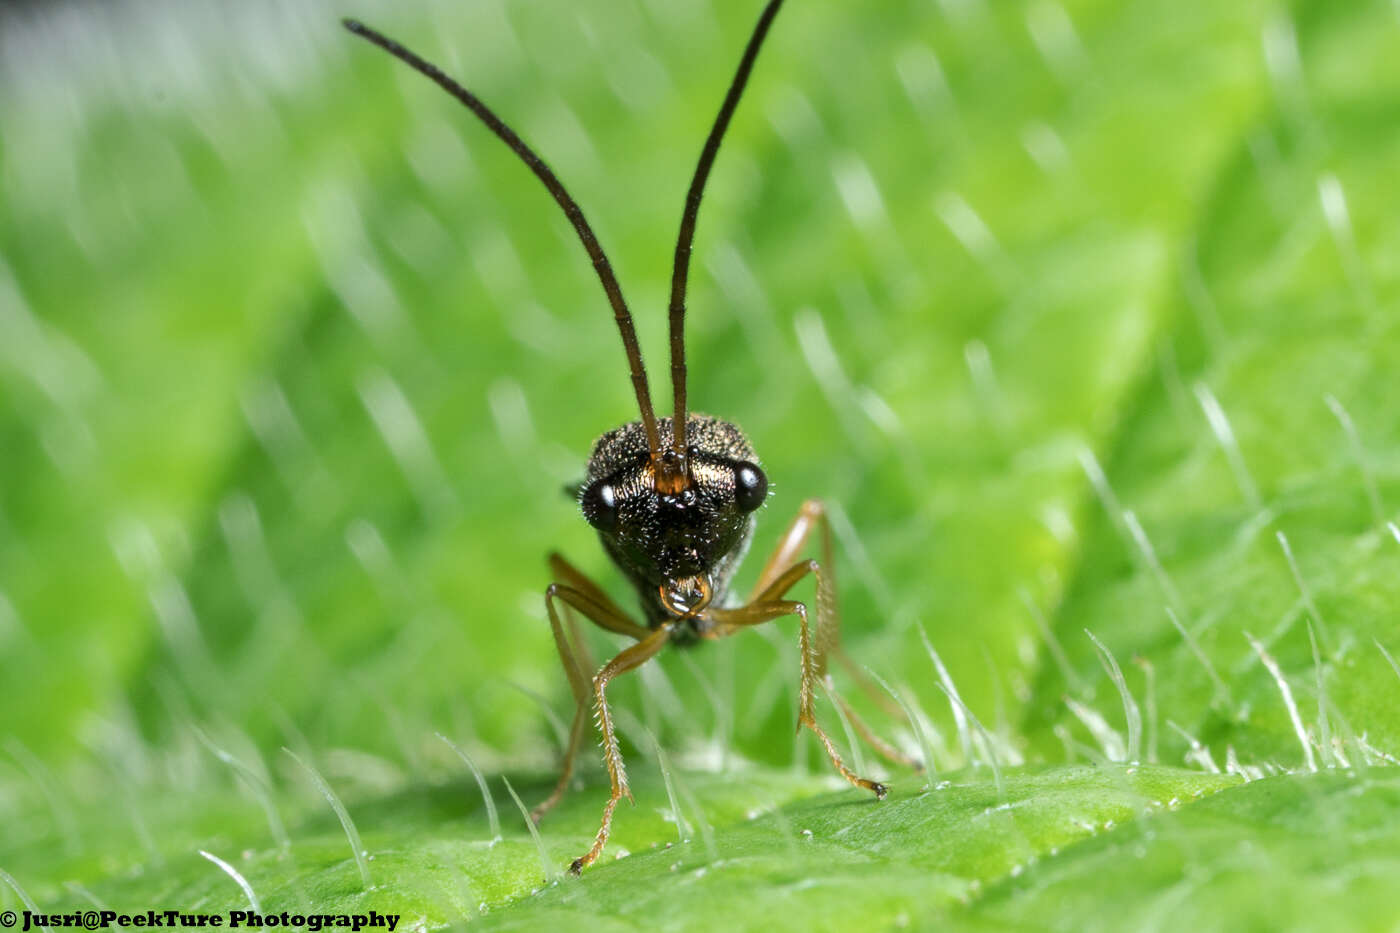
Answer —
673 501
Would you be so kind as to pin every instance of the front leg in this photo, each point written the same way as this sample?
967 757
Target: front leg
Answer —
811 518
629 659
770 606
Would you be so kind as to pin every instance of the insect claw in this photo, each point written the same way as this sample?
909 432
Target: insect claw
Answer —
880 790
576 868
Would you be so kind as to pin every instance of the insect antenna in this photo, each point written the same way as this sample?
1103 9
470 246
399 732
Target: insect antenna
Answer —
681 270
561 195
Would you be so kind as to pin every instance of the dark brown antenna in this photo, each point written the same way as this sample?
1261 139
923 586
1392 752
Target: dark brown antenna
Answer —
556 188
681 270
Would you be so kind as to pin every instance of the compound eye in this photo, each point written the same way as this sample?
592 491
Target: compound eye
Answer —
750 486
599 504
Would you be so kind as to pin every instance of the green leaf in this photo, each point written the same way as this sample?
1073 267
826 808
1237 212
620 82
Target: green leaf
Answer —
1081 317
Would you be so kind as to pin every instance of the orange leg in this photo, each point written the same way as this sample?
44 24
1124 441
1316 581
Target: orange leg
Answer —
770 605
581 594
812 517
629 659
881 746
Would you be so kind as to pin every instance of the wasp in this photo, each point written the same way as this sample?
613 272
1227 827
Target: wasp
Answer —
673 500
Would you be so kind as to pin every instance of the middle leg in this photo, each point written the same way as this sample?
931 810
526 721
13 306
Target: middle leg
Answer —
579 593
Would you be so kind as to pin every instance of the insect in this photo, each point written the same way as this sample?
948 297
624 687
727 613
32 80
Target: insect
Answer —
673 500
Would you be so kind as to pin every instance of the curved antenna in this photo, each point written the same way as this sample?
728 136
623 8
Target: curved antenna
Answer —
556 188
681 270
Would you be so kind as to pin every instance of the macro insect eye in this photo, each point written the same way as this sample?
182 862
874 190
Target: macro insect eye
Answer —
599 503
750 486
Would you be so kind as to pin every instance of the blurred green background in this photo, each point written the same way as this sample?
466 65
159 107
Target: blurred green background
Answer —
1082 316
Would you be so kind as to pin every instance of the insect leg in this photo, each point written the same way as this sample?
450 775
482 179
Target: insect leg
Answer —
567 573
628 659
881 746
770 608
603 613
583 657
812 517
794 541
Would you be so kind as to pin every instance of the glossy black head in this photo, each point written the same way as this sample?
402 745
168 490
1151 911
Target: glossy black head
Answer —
681 543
